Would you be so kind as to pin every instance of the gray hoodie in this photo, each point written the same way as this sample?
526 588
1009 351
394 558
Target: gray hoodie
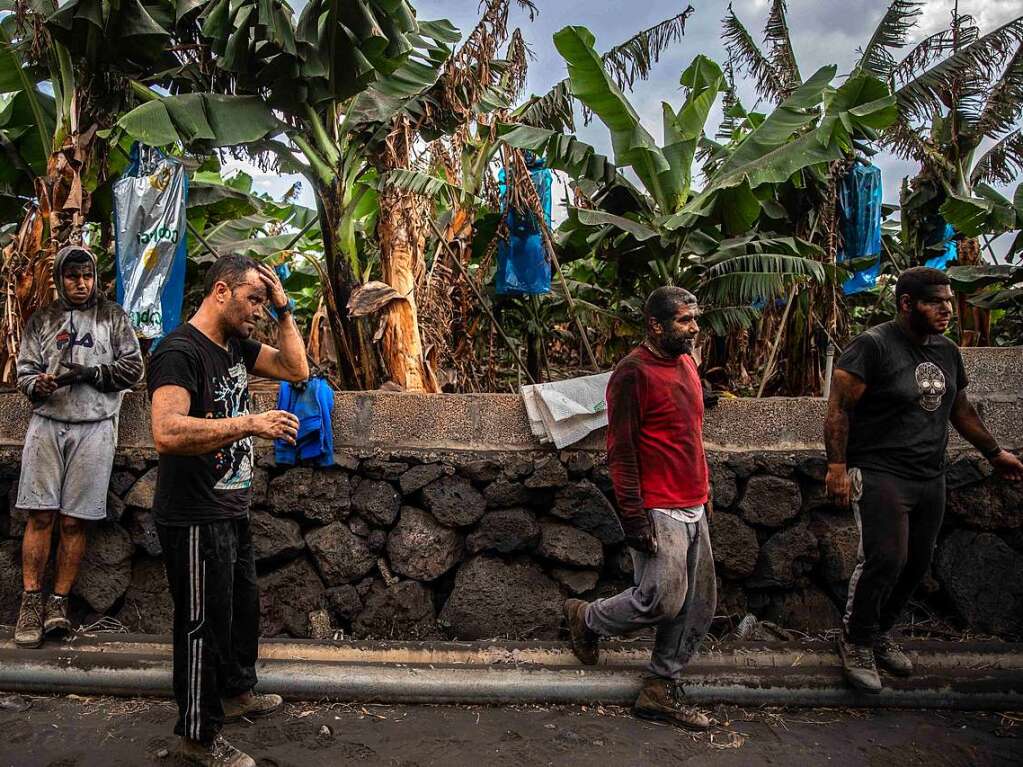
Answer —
97 333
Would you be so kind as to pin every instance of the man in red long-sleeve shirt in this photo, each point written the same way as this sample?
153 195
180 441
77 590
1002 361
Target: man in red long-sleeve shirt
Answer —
659 471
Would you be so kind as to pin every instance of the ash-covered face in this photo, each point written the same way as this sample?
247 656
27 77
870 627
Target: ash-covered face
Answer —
241 306
931 313
676 337
79 281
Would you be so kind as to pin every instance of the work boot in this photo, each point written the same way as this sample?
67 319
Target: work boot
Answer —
29 631
219 753
249 705
890 656
56 615
663 700
858 664
584 640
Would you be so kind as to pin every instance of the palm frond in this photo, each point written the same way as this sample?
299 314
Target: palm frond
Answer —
905 140
626 63
891 32
779 42
1002 163
926 94
933 47
732 109
742 48
633 59
552 111
1005 100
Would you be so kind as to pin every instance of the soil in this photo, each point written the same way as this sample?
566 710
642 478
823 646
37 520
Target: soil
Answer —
75 731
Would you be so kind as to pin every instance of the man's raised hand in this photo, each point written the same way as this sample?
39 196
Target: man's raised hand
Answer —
275 291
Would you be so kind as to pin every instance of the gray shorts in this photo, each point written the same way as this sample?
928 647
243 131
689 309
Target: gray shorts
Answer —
66 467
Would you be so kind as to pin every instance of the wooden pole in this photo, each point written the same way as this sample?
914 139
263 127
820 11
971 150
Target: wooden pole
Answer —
768 370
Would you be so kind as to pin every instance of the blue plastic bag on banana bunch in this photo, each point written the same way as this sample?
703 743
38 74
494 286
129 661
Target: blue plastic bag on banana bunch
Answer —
149 228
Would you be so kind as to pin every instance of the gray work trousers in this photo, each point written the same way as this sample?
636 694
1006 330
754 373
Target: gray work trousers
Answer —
675 591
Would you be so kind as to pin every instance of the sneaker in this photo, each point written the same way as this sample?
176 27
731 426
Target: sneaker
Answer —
890 656
250 705
56 615
858 665
663 700
219 753
29 631
584 640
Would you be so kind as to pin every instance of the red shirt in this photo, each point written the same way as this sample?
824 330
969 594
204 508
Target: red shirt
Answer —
655 433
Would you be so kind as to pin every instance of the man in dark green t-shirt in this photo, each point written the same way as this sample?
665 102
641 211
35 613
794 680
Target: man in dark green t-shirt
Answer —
895 391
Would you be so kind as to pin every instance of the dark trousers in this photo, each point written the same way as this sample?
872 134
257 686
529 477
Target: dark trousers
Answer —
899 520
211 569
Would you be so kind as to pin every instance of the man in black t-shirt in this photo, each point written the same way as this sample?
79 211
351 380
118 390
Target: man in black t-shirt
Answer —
895 391
202 429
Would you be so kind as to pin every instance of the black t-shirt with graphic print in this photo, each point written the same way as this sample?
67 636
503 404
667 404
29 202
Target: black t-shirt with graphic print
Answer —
900 424
197 489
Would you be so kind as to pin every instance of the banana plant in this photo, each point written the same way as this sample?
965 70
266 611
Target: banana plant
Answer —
283 90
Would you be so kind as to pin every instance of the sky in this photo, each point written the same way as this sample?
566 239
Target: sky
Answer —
823 32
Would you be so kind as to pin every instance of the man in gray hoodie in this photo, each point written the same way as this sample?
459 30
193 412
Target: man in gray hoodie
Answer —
77 357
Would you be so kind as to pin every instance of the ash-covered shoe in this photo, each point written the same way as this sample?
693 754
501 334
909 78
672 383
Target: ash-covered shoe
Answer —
219 753
250 705
891 658
584 640
56 621
663 700
859 666
29 631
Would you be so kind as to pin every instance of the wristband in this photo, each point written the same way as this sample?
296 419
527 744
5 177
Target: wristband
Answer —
991 452
286 309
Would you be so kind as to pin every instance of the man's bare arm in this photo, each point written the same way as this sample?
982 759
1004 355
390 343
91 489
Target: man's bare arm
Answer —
846 390
967 421
287 363
177 433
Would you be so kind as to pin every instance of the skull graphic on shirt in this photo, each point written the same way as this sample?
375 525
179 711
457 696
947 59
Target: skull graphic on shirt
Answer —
930 382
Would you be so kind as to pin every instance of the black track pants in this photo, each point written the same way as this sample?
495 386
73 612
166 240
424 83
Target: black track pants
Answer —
211 570
899 521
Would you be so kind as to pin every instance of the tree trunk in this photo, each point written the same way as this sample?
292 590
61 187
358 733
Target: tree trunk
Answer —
400 231
402 237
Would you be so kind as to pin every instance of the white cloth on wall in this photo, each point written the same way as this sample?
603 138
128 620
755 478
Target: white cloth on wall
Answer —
563 412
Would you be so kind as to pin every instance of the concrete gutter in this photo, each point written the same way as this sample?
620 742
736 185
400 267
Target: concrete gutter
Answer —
962 676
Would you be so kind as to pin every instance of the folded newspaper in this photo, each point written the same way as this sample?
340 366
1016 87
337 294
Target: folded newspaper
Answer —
564 412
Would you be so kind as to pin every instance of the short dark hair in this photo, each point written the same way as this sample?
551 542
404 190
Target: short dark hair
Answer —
914 282
230 270
662 303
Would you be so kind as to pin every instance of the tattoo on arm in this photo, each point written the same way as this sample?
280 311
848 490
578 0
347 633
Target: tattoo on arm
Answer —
846 390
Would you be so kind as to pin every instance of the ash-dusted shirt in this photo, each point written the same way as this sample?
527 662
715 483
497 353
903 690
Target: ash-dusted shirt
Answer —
196 489
655 433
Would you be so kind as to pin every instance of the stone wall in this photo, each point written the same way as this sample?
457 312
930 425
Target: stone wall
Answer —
431 544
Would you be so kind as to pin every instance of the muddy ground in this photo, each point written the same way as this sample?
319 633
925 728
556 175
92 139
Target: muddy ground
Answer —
109 732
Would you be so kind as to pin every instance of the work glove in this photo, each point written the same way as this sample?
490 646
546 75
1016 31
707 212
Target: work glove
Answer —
79 374
639 532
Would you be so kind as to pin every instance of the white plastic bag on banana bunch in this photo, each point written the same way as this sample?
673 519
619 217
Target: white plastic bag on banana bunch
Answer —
149 226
